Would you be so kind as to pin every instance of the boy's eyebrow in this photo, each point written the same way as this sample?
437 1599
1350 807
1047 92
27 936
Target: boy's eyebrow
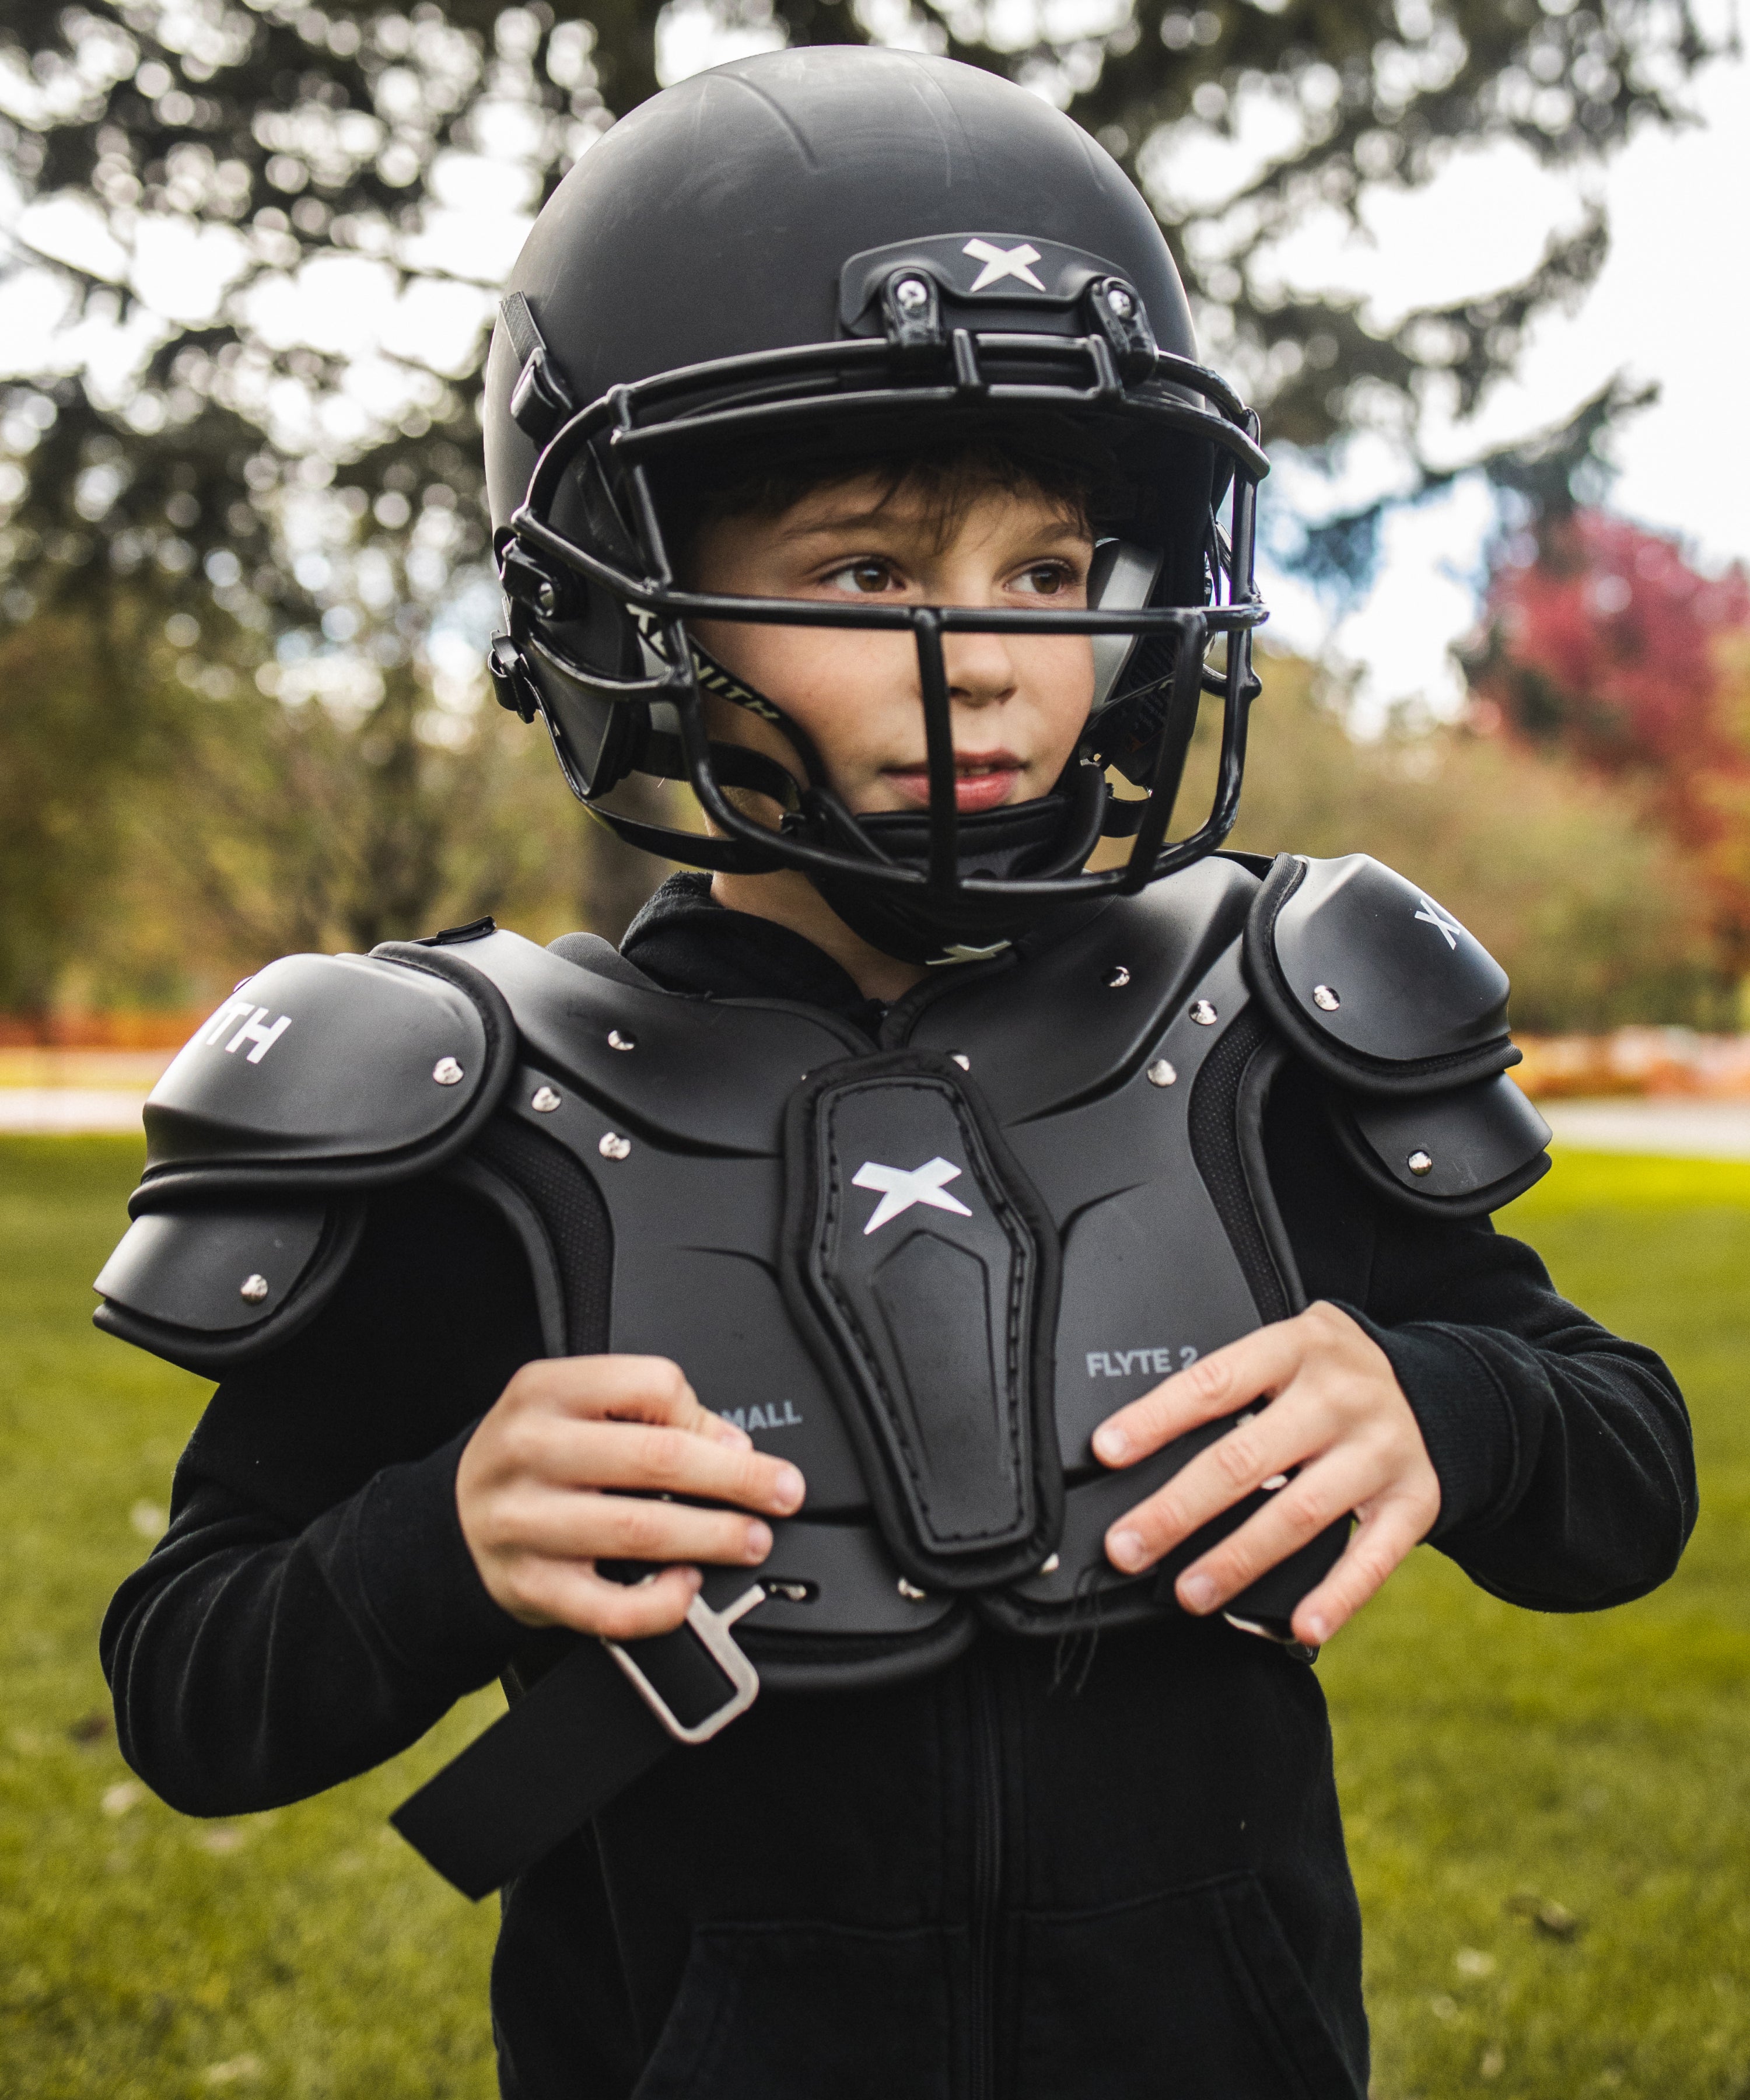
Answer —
848 521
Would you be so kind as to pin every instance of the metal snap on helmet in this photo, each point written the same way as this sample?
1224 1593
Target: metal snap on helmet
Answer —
878 246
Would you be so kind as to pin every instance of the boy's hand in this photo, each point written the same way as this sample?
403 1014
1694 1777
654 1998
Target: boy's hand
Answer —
530 1493
1336 1410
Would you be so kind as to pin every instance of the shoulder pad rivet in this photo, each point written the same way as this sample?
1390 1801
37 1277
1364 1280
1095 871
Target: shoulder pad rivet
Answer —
254 1288
1420 1163
1051 1566
910 1589
1117 977
544 1100
911 293
1325 1000
792 1592
1160 1073
613 1145
962 1060
617 1041
447 1073
1203 1013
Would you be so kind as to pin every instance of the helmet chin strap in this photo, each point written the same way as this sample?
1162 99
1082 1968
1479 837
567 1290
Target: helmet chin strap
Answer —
1050 835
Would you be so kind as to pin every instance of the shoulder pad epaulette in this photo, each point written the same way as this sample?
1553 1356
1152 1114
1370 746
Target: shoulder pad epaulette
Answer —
322 1077
1404 1014
1372 981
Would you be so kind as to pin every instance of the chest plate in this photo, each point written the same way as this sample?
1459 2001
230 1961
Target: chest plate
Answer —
925 1274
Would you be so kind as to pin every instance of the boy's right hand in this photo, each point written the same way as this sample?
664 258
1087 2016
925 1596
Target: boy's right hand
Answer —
531 1493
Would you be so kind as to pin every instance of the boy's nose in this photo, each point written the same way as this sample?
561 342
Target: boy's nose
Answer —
979 668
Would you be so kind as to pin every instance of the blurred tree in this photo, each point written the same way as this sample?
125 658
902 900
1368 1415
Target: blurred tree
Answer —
1602 642
1598 918
191 173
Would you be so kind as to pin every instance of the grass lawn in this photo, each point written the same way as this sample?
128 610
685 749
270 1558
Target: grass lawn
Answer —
1549 1818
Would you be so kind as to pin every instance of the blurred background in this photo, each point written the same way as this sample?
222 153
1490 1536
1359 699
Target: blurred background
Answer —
1481 265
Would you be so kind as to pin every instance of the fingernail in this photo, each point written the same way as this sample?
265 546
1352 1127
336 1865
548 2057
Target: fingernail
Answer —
1112 1445
694 1577
1318 1631
789 1488
759 1540
1196 1592
1126 1548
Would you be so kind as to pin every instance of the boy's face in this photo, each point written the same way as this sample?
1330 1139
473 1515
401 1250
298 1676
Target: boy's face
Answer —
1019 702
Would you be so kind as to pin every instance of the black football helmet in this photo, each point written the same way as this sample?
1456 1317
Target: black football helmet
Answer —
876 246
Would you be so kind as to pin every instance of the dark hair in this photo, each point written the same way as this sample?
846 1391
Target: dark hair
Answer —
948 471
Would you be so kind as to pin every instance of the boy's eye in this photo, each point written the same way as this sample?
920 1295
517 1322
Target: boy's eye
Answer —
1044 580
867 577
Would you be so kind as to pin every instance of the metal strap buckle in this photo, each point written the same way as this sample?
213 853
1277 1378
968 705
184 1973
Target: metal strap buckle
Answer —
711 1629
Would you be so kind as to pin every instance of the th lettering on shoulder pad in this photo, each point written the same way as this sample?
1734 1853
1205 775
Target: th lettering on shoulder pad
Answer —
321 1077
1403 1013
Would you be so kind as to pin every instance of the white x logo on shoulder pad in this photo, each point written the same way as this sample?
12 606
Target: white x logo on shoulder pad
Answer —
1001 263
1442 922
902 1187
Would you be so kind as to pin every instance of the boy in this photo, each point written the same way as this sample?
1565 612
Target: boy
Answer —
956 1296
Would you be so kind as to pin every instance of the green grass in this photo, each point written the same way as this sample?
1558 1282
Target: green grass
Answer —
1495 1765
143 1956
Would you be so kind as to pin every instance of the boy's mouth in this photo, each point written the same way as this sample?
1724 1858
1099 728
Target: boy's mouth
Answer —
982 783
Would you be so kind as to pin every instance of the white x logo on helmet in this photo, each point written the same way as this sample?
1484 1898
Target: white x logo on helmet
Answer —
1001 263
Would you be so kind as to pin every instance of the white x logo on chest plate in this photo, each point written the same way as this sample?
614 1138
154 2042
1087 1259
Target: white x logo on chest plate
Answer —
902 1187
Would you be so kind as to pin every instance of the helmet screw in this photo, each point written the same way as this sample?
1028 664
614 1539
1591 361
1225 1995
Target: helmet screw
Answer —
1420 1163
1203 1013
1160 1073
1117 977
1121 302
911 293
1325 1000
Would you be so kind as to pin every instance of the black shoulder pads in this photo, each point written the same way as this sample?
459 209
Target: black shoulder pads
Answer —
1371 981
1405 1013
322 1077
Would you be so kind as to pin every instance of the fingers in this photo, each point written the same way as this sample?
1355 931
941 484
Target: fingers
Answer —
1214 1386
1255 1450
557 1594
619 1389
1384 1537
652 1458
587 1526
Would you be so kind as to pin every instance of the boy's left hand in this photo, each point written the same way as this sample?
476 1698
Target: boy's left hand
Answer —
1335 1410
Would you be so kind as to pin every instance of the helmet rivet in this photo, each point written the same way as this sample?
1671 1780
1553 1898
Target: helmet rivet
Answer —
447 1073
1160 1073
618 1039
1203 1013
254 1288
613 1145
544 1100
1420 1163
1121 302
1117 977
1325 1000
911 293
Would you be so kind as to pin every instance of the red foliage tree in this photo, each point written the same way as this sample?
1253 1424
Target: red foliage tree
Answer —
1602 640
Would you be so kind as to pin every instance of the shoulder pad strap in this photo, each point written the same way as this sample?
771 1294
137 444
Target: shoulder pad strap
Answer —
1456 1153
1371 981
209 1287
328 1074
